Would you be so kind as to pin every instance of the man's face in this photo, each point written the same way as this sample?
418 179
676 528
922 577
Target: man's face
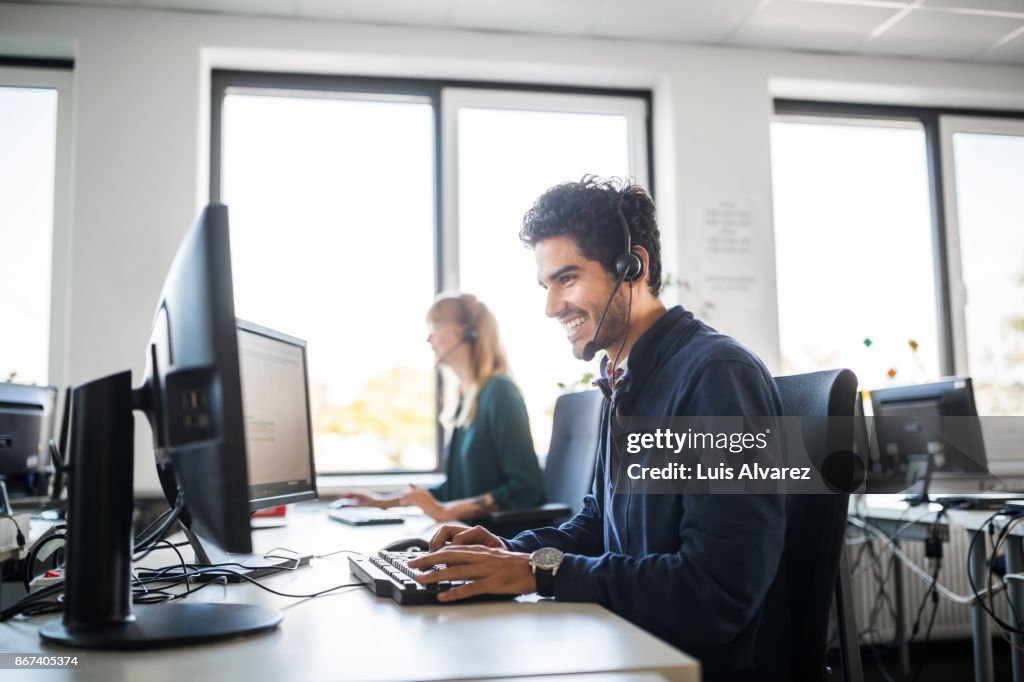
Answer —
578 290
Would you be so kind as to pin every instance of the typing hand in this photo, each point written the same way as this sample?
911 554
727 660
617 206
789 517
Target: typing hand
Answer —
492 570
460 535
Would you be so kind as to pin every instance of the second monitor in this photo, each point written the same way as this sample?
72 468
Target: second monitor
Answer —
275 403
937 425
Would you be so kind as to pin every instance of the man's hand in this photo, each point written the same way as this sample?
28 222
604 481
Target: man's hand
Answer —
492 570
460 535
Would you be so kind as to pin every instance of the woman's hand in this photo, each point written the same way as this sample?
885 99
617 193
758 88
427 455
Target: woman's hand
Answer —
419 497
360 499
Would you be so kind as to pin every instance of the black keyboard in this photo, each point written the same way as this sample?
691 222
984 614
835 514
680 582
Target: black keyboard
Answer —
388 574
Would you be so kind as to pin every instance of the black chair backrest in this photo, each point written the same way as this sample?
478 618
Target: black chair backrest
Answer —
816 524
569 469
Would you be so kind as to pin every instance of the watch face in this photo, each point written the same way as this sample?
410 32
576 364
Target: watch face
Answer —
547 558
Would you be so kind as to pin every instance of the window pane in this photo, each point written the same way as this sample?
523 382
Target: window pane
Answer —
989 178
507 158
854 251
332 205
28 138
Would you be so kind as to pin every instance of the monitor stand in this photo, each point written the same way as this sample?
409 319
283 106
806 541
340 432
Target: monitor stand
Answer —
98 612
919 474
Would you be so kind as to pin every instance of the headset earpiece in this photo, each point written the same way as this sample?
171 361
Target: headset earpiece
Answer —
628 265
469 335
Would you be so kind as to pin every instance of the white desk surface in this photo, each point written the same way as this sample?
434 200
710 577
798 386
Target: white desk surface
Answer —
894 508
353 635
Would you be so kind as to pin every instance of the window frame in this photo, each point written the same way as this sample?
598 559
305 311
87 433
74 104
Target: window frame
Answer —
444 95
948 127
952 332
54 74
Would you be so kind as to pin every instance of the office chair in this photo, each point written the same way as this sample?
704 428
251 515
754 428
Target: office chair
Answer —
814 553
569 470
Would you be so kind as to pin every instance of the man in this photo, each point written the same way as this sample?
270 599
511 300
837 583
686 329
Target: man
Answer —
697 570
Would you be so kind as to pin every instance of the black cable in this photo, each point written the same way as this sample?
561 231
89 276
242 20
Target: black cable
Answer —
1004 533
160 517
928 632
625 336
19 537
169 518
30 560
615 364
29 599
182 564
881 598
218 571
970 578
175 597
340 551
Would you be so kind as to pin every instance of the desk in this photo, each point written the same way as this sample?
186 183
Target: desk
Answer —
974 522
353 635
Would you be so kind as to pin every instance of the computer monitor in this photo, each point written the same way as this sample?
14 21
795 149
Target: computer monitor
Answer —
278 441
26 426
278 432
935 423
59 457
192 396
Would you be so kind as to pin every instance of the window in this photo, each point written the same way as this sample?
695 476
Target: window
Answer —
354 201
511 148
332 202
854 249
985 174
34 168
962 171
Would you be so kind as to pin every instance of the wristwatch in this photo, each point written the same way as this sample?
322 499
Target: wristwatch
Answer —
545 563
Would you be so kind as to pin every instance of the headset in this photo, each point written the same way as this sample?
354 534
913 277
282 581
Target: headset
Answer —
629 268
469 335
628 265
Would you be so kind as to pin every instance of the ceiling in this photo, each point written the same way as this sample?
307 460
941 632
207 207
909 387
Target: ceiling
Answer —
990 31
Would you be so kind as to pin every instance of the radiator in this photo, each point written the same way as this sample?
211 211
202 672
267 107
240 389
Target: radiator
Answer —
953 620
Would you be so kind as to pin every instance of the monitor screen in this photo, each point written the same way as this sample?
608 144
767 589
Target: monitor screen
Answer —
275 404
938 420
26 426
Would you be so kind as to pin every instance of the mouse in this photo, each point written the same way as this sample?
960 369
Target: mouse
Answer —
407 545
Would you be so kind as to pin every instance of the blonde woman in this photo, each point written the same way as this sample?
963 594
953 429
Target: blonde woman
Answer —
489 457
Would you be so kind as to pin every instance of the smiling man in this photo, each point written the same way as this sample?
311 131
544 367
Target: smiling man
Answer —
701 571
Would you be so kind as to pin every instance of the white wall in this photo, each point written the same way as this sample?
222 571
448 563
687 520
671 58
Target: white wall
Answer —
140 138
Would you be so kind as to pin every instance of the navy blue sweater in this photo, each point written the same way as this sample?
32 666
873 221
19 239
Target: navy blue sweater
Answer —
695 570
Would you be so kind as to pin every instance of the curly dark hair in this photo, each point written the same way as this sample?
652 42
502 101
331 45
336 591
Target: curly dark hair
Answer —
587 211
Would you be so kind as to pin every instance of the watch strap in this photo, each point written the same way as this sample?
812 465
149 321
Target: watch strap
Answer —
545 582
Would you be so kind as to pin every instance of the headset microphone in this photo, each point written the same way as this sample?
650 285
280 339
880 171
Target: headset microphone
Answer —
447 353
590 350
628 267
469 335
